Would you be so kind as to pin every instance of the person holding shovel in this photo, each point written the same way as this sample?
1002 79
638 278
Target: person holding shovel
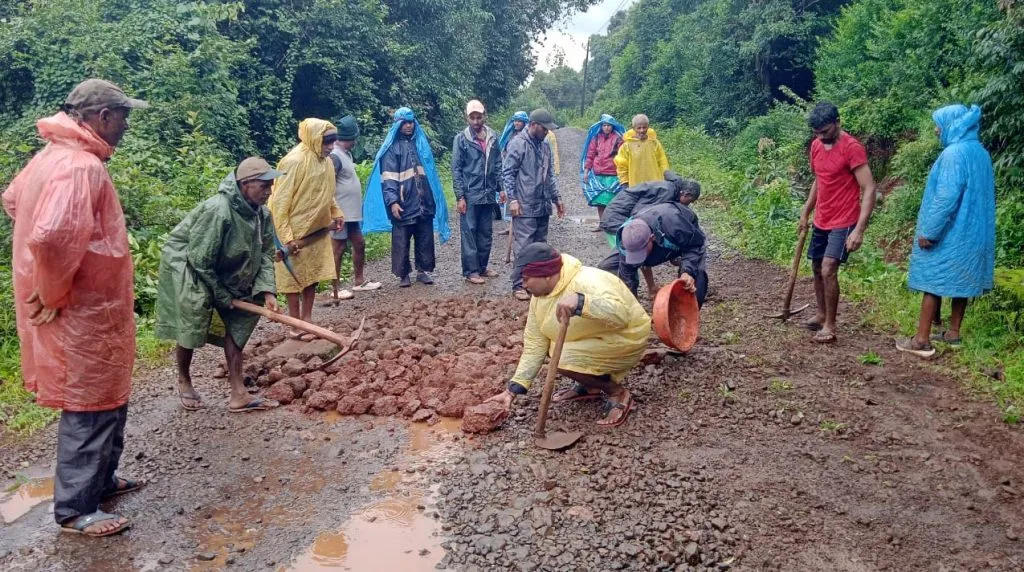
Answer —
74 299
304 210
842 198
222 251
606 337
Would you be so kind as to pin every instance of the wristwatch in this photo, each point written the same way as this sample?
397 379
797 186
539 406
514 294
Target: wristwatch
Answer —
580 299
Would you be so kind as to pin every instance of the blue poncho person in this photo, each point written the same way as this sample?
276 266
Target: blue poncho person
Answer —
509 131
600 187
957 212
375 214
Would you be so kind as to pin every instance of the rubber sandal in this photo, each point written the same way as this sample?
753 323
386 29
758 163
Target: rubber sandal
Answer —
610 405
258 404
906 345
182 396
823 338
343 295
130 486
577 392
83 522
941 337
366 286
489 274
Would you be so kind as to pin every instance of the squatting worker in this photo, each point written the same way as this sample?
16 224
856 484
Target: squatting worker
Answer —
954 252
476 175
221 252
668 232
607 335
842 198
348 193
405 197
528 173
73 290
304 210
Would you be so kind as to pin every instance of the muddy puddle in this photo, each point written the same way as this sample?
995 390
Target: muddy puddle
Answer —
17 503
399 530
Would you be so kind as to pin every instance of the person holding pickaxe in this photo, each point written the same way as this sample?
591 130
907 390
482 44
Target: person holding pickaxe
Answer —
304 211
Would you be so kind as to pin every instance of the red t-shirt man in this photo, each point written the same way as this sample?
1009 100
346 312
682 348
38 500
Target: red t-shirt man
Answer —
838 201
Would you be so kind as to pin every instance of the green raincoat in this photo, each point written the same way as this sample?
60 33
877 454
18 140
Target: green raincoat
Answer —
223 250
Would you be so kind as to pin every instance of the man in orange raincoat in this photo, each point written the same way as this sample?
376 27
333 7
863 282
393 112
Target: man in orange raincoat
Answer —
73 287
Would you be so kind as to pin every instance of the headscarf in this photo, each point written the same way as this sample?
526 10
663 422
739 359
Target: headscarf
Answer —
375 218
957 123
594 130
506 134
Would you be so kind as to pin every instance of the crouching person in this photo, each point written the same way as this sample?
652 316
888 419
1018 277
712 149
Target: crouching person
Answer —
222 251
607 333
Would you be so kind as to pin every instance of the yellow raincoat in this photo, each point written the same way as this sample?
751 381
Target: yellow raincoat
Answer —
553 141
641 161
609 338
302 203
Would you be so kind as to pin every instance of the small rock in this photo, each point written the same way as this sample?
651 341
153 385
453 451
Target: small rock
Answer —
719 524
1011 534
166 559
424 552
797 418
205 556
692 553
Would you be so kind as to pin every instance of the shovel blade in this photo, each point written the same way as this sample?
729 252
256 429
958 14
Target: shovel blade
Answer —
785 315
558 440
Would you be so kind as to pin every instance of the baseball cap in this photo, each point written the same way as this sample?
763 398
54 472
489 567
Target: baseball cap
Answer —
256 168
633 239
476 106
544 117
95 94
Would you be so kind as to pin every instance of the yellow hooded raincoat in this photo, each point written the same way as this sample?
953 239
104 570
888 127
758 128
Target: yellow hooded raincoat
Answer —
302 203
641 161
609 338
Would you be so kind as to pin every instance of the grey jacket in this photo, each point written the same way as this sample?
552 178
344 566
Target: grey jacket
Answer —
528 173
476 174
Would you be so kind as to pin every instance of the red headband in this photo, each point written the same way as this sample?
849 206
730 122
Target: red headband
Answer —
543 268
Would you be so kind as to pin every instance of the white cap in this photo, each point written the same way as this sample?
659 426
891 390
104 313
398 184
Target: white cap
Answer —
475 106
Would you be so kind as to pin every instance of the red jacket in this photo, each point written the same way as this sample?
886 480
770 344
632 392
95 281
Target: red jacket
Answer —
601 153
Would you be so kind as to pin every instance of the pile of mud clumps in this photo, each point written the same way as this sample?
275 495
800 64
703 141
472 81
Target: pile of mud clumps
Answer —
422 361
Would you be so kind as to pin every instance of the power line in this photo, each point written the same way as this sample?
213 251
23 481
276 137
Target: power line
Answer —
609 21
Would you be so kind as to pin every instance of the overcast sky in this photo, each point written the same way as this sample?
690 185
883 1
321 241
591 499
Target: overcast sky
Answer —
572 35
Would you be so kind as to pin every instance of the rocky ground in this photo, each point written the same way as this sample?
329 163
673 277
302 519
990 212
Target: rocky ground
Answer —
757 450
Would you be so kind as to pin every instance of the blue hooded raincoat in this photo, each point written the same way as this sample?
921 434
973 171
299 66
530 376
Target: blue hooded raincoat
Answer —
506 134
957 213
592 187
375 216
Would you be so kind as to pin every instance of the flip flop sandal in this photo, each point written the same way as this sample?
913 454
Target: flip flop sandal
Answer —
258 404
130 486
522 295
83 522
182 396
577 392
906 345
366 286
610 405
343 295
941 337
822 338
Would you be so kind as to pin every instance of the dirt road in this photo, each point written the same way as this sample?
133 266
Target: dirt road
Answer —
758 450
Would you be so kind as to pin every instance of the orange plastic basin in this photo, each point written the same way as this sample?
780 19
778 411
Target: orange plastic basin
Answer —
676 316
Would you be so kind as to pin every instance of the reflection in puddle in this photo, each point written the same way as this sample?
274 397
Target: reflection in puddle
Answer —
16 504
394 533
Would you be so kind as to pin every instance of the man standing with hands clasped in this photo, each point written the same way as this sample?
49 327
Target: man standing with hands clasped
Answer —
528 172
842 198
476 171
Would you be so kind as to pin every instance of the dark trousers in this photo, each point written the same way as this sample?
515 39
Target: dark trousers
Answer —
423 232
526 231
89 447
477 225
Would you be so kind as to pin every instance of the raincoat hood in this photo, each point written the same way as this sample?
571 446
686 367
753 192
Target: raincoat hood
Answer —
375 217
508 132
632 136
958 123
311 134
229 188
64 130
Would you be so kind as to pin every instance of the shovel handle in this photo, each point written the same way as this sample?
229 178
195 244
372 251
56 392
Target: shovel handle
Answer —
794 270
549 383
292 322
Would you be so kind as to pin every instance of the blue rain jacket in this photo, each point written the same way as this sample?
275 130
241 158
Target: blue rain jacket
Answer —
957 213
375 215
507 133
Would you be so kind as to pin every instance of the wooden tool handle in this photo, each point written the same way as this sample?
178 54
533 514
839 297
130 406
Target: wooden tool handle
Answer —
511 237
549 383
292 322
794 271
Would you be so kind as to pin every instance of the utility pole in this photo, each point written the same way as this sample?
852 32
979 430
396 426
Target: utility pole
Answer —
583 95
